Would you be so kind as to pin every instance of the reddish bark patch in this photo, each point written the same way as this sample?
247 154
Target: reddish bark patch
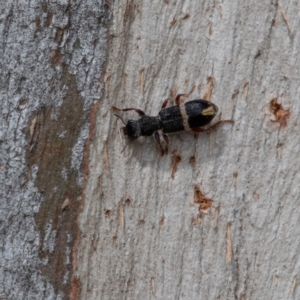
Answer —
204 202
281 115
162 221
173 22
210 29
76 289
176 159
246 89
209 89
186 16
52 134
193 161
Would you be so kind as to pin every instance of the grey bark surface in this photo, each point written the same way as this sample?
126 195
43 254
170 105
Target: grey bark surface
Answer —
51 62
226 226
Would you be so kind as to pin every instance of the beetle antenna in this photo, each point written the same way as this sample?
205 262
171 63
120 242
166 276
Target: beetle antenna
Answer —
116 108
120 119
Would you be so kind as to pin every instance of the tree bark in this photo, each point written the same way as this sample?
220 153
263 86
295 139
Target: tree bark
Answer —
215 218
51 62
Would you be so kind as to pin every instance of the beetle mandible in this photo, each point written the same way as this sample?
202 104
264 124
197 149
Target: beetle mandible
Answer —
191 115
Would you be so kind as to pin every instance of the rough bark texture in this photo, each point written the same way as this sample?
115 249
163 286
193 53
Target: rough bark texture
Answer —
51 60
217 218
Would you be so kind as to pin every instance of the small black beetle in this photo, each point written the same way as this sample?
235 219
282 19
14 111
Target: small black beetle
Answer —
190 115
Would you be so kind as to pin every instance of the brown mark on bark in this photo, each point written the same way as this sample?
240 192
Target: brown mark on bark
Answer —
121 215
49 16
52 134
256 196
229 244
186 16
162 221
281 115
173 22
105 156
210 28
204 202
217 211
210 86
193 161
176 159
246 89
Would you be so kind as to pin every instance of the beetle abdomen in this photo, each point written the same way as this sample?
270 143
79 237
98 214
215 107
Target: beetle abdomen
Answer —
186 116
199 112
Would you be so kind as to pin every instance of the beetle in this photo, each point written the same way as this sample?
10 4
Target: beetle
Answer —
189 116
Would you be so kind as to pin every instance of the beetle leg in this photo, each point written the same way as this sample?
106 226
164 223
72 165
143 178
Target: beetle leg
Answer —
156 135
198 129
213 126
140 112
164 105
177 99
166 138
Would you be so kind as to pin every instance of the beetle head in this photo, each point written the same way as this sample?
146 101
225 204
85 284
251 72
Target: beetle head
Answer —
132 129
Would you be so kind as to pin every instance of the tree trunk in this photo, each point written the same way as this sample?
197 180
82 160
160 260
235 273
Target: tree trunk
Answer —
215 218
51 62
